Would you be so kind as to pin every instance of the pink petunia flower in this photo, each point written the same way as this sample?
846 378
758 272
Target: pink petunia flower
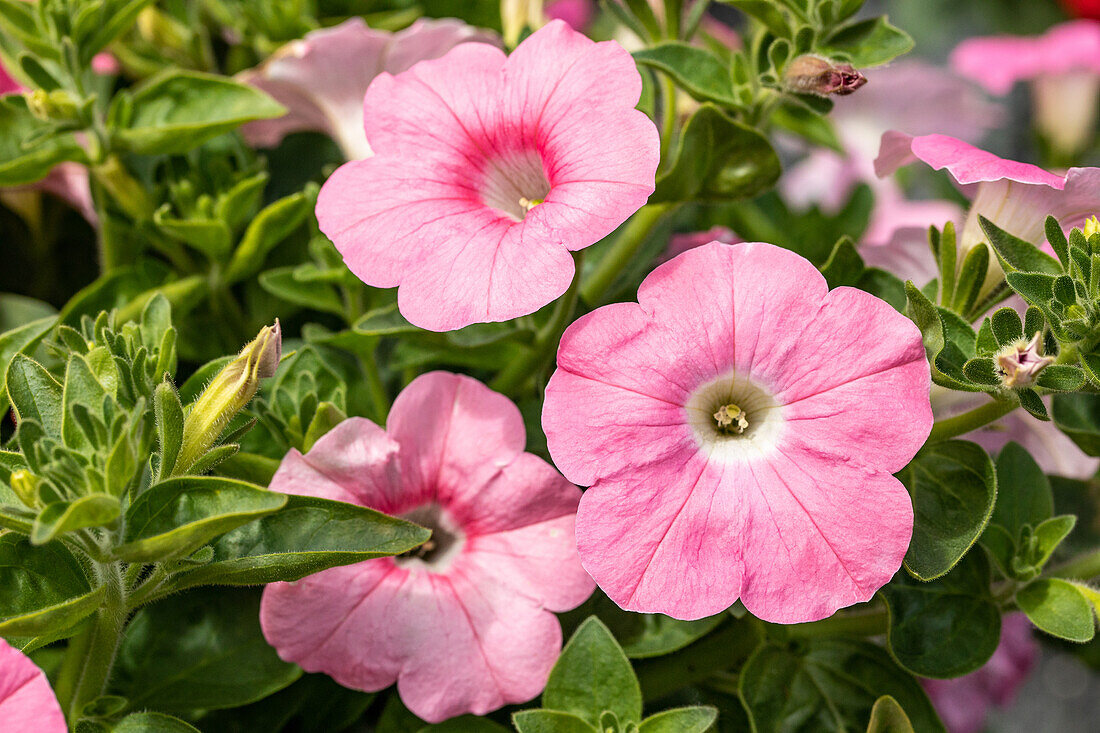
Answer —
488 171
322 78
964 702
464 624
1063 66
738 427
577 13
27 704
1015 196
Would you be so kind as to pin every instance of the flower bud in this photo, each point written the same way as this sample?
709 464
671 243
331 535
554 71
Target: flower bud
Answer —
809 74
1092 226
228 393
55 106
25 485
1021 362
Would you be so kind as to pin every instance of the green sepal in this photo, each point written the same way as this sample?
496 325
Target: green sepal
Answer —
1061 378
986 343
1057 239
982 370
971 277
178 516
1006 325
1030 401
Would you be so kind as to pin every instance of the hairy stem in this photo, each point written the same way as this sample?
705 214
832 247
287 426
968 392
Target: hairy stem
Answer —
546 341
626 245
1085 566
970 420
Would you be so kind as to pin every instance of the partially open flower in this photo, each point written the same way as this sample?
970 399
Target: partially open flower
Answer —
1020 363
27 704
1015 196
810 74
464 624
488 171
738 428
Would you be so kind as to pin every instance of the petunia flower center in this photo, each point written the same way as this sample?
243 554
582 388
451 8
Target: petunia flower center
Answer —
514 183
734 418
442 547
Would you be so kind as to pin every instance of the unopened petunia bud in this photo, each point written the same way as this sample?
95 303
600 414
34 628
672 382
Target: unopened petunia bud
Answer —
1092 226
25 485
228 393
810 74
55 106
1021 362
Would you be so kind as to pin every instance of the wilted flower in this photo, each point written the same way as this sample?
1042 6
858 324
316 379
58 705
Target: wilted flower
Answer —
964 702
795 510
1015 196
810 74
1021 362
1063 65
27 704
488 171
322 78
464 624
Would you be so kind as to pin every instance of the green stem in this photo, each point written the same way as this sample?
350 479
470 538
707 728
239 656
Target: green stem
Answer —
626 245
1083 567
86 678
546 341
674 10
376 389
866 623
970 420
668 112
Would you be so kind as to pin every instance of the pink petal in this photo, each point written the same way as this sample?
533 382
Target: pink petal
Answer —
27 704
355 462
998 62
965 163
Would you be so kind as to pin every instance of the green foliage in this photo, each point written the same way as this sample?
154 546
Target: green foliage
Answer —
954 486
887 716
1059 608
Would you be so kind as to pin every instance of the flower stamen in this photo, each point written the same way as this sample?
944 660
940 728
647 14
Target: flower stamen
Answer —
731 419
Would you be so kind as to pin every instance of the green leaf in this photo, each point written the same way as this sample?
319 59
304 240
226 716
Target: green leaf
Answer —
1007 326
701 73
179 110
94 510
972 275
680 720
200 650
306 536
945 628
20 340
593 675
828 685
718 159
35 394
272 225
1057 607
1048 535
152 723
868 42
465 724
844 266
1023 492
282 283
1030 401
766 12
550 721
81 388
43 590
946 342
887 716
655 635
25 163
386 321
209 236
1078 416
178 516
953 485
1017 254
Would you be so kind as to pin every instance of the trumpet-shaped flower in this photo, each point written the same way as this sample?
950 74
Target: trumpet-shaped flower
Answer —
1015 196
322 78
464 623
27 704
738 427
488 171
1063 66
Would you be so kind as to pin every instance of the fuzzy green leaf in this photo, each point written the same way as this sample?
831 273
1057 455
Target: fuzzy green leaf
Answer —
1057 607
593 675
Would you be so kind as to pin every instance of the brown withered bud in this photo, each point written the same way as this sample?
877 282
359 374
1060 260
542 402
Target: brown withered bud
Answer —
809 74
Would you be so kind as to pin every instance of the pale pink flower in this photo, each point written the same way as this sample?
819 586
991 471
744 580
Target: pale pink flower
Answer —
322 78
464 624
577 13
1015 196
104 63
680 243
488 171
795 509
964 702
1063 66
27 704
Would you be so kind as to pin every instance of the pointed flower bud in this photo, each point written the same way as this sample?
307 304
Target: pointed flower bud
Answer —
1021 362
228 393
1092 226
25 485
55 106
810 74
